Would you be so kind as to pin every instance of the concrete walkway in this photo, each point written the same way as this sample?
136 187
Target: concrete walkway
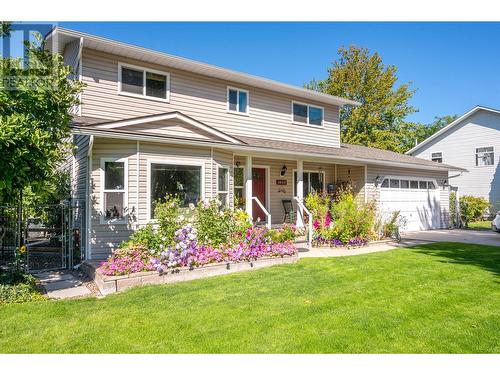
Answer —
62 284
479 237
322 252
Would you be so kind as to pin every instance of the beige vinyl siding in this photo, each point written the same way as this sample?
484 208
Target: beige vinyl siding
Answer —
355 176
204 99
106 237
374 192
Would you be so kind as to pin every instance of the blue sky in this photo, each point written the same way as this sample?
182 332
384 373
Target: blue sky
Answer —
454 66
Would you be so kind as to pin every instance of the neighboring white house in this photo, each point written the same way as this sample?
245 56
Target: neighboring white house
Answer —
472 142
150 123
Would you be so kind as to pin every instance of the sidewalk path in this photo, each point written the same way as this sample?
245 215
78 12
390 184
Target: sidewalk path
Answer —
62 284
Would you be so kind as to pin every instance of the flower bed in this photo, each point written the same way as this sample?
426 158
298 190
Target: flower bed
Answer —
213 236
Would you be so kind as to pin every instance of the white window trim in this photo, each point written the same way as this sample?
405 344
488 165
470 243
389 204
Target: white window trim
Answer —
177 161
144 70
409 179
475 157
217 179
237 112
103 219
307 171
308 124
438 152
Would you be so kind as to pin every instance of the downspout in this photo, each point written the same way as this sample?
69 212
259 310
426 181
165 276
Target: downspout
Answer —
88 197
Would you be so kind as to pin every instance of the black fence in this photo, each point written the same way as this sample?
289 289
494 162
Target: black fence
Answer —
42 237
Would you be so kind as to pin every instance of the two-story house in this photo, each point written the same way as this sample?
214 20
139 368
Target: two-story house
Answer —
472 142
150 123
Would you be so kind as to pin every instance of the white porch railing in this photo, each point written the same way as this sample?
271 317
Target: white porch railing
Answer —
301 211
266 212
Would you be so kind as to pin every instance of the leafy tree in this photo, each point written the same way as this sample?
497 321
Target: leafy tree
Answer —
414 133
5 28
380 120
35 99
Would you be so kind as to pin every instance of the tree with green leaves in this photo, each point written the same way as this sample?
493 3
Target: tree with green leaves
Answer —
35 101
5 28
380 119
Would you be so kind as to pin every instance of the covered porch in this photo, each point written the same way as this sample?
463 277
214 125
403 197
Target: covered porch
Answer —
269 188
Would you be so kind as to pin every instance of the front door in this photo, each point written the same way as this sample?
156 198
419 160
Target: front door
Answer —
259 191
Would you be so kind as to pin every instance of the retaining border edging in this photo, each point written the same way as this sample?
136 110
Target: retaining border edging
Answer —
112 284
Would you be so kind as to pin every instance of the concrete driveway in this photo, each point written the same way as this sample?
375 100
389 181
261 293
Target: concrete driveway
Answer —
479 237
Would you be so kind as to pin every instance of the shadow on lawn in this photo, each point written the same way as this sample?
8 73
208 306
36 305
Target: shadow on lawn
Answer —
486 257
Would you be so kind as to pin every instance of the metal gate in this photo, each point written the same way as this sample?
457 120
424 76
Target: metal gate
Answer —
42 237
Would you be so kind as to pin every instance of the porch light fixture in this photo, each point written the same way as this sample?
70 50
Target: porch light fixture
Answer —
283 170
237 164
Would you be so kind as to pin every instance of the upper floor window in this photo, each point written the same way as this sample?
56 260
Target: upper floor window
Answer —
485 156
437 157
307 114
148 83
237 100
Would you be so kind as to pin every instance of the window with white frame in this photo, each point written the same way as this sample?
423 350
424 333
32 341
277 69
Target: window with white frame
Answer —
239 187
114 192
312 182
143 82
307 114
437 157
237 100
182 181
405 184
485 156
223 186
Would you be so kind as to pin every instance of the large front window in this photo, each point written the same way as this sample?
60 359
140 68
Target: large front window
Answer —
183 181
313 182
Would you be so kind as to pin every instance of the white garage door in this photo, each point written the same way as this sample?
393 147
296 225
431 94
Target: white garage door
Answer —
416 199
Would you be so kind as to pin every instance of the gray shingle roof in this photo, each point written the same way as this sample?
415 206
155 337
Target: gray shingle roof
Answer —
346 151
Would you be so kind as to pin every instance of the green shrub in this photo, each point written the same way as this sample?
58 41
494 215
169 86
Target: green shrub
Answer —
392 225
167 212
18 287
472 208
287 233
351 219
318 205
146 236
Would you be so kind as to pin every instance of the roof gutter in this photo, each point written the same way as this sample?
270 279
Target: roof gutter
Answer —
215 71
243 149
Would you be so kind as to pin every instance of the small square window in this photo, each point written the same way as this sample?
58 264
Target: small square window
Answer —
132 81
143 82
394 184
422 185
237 100
306 114
405 184
437 157
156 85
413 184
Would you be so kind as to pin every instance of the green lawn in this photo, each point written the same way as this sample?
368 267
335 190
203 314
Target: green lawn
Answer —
428 299
480 225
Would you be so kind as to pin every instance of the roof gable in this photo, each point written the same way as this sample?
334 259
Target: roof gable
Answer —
174 124
451 126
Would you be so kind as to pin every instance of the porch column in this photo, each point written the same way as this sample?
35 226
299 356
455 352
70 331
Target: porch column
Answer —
248 187
300 192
